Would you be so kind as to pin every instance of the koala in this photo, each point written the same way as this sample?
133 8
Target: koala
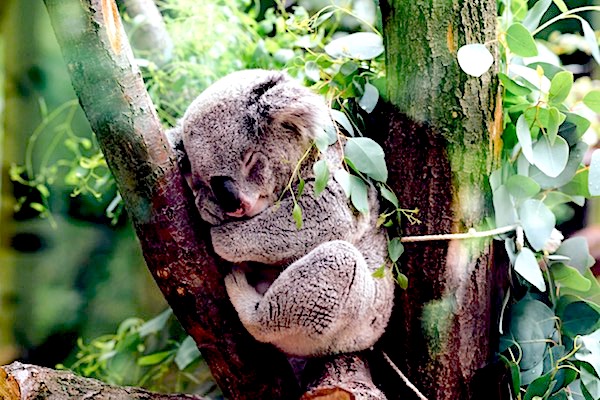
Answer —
238 145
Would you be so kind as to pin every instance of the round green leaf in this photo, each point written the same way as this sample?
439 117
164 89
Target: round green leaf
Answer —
578 252
360 46
550 158
594 174
577 317
520 41
369 99
538 222
560 86
474 59
359 194
504 209
526 265
522 187
566 276
367 156
592 100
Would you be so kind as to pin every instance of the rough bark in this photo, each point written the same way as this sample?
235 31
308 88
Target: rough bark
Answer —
174 242
443 134
31 382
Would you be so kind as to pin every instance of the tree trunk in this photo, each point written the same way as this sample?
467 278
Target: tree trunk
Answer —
173 240
444 130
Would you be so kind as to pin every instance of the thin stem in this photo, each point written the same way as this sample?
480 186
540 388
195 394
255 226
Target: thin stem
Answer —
562 16
452 236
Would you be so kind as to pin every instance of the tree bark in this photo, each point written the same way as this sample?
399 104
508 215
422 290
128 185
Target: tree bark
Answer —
30 382
173 239
444 129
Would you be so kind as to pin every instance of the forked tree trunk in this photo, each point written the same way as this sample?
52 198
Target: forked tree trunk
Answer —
444 130
443 134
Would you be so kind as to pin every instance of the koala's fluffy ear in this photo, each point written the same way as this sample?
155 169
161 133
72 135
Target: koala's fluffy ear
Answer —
288 104
175 138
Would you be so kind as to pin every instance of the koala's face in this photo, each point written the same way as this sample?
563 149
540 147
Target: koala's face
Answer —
243 137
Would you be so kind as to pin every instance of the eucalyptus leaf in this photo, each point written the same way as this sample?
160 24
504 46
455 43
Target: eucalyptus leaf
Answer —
343 120
538 387
474 59
535 14
555 118
513 86
560 86
395 249
590 381
531 76
565 276
594 174
550 158
578 252
389 195
187 353
520 41
155 324
522 187
592 100
590 37
321 171
538 222
590 351
577 317
526 265
504 209
573 128
575 158
359 194
343 178
554 198
369 99
297 215
524 136
359 46
367 156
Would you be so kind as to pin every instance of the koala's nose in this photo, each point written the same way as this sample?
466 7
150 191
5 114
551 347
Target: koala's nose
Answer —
226 193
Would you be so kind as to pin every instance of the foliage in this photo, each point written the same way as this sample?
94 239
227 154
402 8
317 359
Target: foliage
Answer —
552 325
146 354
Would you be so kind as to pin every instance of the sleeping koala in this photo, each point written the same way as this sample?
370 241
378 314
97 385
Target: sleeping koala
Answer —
238 145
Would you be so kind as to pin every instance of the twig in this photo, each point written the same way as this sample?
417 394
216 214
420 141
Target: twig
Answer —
472 233
404 378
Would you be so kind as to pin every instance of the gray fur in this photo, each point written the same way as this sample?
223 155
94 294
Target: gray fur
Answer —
326 300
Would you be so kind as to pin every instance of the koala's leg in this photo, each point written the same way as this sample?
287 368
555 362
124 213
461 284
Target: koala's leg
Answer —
326 302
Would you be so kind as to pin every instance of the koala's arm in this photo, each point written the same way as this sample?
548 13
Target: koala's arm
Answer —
272 236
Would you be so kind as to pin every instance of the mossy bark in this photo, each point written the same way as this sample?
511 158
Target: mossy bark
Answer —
443 137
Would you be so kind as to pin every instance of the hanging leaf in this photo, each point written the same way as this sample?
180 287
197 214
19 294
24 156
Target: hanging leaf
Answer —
359 194
551 159
526 265
538 222
520 41
389 195
343 120
555 119
577 317
155 324
297 215
573 164
504 209
360 46
534 16
474 59
321 172
367 156
592 100
524 136
578 252
590 37
560 86
594 174
395 249
369 99
343 178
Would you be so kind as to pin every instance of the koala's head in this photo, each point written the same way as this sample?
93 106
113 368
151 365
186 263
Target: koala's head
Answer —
243 137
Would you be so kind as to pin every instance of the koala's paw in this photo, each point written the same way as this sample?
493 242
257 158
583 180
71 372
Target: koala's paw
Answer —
240 292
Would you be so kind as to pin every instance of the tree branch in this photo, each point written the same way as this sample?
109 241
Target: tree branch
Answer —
24 382
173 239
